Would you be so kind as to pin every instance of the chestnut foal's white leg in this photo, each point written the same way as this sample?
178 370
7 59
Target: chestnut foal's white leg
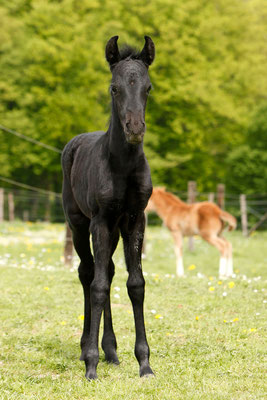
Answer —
222 246
178 246
229 259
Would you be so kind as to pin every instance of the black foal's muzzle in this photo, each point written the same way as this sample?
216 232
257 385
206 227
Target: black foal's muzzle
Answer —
134 128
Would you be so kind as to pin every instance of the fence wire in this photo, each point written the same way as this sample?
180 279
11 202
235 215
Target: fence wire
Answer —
41 206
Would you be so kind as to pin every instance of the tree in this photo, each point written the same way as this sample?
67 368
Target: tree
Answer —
209 74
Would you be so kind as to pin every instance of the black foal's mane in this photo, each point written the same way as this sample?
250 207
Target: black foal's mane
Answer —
129 52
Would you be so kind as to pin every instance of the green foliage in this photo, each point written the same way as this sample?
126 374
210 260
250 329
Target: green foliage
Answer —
247 164
208 76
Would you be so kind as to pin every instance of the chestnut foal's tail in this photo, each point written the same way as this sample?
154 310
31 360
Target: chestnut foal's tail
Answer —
230 219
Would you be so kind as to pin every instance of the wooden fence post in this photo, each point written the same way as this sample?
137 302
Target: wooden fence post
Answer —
25 215
244 217
11 207
211 197
220 195
191 198
68 247
1 204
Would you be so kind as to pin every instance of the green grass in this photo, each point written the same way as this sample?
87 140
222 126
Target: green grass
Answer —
204 345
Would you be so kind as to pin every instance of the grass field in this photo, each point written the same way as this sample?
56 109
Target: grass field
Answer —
206 336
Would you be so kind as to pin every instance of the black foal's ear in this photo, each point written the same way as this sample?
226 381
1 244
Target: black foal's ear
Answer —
112 51
148 53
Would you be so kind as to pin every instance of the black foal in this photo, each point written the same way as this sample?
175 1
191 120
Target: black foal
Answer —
106 188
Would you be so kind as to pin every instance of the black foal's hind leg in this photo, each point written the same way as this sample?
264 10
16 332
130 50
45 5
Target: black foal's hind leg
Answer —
109 343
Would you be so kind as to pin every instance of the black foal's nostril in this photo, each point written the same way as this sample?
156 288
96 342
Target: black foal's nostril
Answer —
128 125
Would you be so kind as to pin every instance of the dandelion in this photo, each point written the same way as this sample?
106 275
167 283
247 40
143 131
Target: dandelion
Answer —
63 323
81 317
191 267
225 321
235 319
46 288
219 282
231 285
211 289
253 330
211 278
158 316
197 318
168 334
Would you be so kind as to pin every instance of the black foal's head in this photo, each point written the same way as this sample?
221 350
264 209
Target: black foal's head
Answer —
130 85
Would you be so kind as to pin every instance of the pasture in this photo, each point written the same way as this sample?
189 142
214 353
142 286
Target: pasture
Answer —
206 336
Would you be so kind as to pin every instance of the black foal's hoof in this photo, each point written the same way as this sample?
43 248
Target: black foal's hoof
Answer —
112 358
91 375
146 372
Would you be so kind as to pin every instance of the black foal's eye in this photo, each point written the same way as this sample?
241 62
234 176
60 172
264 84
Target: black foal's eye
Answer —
148 89
114 90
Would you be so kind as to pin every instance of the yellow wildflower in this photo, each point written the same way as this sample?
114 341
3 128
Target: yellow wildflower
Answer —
219 282
46 288
231 285
211 289
197 318
63 323
158 316
235 319
191 267
253 330
81 317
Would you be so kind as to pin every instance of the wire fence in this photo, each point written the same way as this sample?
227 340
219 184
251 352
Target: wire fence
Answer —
47 206
37 204
33 206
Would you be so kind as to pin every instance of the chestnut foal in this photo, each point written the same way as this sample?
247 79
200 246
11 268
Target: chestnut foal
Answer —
203 218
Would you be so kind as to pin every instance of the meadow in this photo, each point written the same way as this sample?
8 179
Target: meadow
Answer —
206 336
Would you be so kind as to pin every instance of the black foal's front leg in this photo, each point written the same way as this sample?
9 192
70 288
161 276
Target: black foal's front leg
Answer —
133 233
